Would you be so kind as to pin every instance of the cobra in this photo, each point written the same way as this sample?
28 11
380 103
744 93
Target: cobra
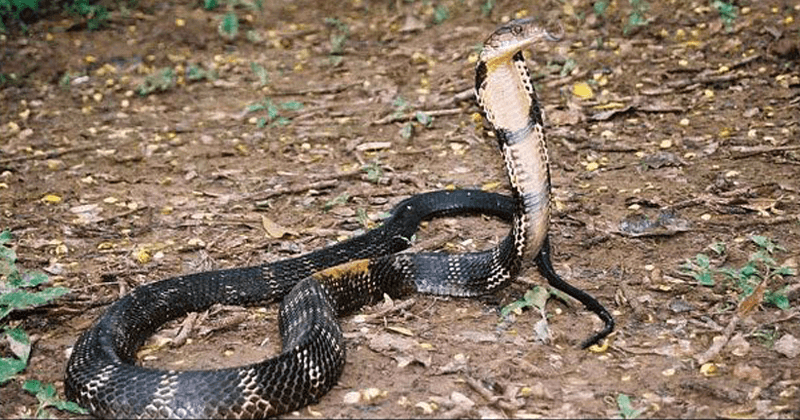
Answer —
316 288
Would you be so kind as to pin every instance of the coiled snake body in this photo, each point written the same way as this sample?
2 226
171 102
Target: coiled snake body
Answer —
318 287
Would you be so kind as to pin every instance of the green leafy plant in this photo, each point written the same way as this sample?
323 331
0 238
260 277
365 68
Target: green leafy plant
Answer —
727 12
96 15
373 171
486 7
196 73
160 81
46 394
22 290
13 9
339 200
260 72
599 8
534 298
229 26
761 268
636 17
273 117
440 14
210 4
626 410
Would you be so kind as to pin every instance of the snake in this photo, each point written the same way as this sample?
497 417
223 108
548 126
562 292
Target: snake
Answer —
317 288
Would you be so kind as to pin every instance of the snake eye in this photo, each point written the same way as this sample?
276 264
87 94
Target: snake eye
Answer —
516 30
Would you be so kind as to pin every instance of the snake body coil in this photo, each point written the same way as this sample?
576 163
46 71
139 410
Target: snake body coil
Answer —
318 287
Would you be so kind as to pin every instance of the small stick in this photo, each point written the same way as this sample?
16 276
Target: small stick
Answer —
719 342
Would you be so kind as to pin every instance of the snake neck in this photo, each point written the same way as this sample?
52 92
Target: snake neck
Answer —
509 101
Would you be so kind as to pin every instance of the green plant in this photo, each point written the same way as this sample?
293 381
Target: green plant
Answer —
626 410
440 14
339 200
210 4
727 12
18 292
160 81
13 9
260 72
534 298
229 26
273 117
599 8
195 73
636 18
758 271
46 394
338 39
373 171
486 7
96 15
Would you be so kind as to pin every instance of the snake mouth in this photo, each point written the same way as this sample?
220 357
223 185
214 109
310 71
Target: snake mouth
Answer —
514 36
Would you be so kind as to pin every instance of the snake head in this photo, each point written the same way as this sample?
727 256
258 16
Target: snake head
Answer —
515 36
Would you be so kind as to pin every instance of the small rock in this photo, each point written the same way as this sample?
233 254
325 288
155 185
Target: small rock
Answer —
352 397
738 345
746 372
788 346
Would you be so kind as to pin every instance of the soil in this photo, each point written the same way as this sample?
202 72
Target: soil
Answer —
689 139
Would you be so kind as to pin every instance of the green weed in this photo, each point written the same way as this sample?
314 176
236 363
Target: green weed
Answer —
96 15
599 8
160 81
636 17
13 10
229 26
273 117
626 410
196 73
727 12
339 200
338 36
486 7
534 298
440 14
760 269
374 171
18 292
210 4
260 72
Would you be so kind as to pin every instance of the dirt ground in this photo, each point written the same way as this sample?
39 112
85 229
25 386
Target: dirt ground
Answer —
307 134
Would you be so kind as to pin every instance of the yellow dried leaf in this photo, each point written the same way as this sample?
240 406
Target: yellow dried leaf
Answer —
708 369
599 348
401 330
450 187
51 198
582 90
489 186
143 256
273 229
592 166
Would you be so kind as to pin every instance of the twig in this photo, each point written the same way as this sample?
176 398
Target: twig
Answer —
186 329
316 91
744 152
320 185
496 400
718 342
411 115
48 155
397 307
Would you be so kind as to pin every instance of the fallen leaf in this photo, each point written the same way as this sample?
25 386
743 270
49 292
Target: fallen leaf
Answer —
274 230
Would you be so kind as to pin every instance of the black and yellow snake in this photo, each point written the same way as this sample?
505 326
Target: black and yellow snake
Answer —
316 288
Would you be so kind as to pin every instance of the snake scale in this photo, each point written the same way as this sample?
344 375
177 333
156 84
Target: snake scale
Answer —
316 288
